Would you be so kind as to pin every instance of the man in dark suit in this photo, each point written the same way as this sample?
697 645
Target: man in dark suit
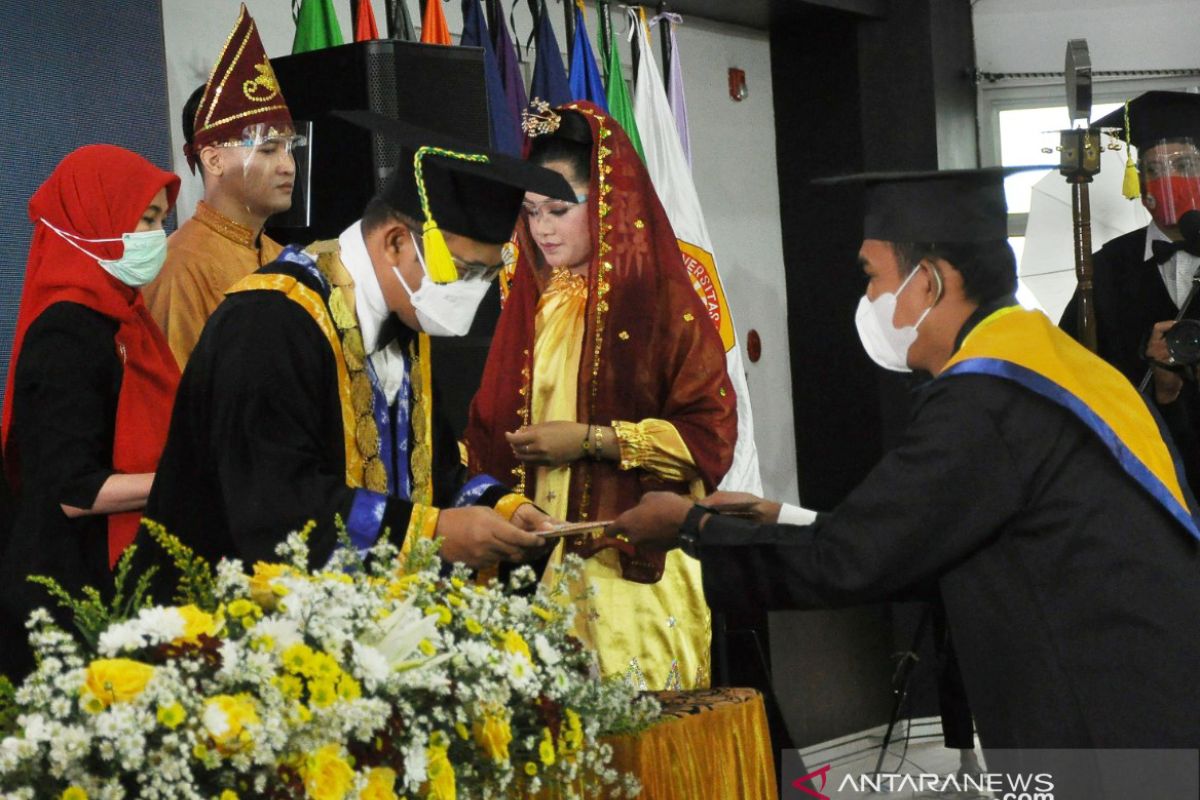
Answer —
1142 279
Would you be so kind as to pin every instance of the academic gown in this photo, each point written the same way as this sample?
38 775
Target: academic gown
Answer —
1130 297
256 447
65 393
1070 593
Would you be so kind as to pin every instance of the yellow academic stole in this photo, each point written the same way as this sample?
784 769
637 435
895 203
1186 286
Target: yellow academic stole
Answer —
1026 348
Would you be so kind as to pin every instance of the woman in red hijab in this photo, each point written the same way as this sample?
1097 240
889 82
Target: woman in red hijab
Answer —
605 380
91 379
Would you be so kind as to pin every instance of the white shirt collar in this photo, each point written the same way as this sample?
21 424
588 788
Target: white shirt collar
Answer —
369 304
1153 234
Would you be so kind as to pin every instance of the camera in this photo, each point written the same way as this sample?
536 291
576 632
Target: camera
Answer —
1183 342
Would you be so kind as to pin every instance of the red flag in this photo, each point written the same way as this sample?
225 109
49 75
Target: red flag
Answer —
433 25
365 28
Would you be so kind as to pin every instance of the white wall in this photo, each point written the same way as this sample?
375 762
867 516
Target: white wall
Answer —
733 152
1031 35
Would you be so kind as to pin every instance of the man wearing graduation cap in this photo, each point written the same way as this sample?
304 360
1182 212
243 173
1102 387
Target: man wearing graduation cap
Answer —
309 397
1142 279
1032 491
239 132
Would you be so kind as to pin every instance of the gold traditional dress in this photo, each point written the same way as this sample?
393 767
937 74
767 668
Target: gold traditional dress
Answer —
205 257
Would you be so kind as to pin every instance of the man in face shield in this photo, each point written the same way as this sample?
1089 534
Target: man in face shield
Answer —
1142 279
309 395
239 133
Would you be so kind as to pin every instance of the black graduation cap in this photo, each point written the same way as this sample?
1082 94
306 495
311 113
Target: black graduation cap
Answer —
1155 116
448 184
961 205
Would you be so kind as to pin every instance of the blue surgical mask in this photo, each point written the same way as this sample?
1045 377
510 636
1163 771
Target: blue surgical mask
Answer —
140 262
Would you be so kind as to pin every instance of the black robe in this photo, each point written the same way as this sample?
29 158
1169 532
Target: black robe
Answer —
1130 297
64 412
1070 593
256 446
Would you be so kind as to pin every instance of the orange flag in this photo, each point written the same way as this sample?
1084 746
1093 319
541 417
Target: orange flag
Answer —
433 25
365 28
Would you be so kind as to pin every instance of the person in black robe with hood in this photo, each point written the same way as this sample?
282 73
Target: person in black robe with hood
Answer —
1032 490
309 394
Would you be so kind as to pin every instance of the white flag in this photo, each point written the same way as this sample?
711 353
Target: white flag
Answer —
672 179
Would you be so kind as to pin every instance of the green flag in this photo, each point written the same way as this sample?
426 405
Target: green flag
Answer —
316 26
620 107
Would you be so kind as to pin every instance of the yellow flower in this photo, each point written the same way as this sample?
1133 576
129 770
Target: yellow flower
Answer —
441 774
171 716
572 736
348 688
381 784
196 622
462 731
455 601
426 647
443 614
322 693
548 616
296 658
116 680
398 589
513 643
74 793
289 686
228 794
492 733
457 583
243 608
226 717
323 666
546 747
473 626
261 590
530 768
327 775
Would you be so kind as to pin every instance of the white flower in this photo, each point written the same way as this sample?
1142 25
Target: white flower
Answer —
372 665
402 633
545 651
415 764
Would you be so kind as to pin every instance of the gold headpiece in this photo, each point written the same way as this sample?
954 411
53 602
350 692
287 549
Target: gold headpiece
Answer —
541 120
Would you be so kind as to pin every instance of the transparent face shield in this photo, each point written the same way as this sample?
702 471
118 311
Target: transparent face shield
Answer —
1171 180
275 166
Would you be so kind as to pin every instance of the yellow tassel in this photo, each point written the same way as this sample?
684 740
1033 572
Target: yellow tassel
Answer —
437 255
1130 187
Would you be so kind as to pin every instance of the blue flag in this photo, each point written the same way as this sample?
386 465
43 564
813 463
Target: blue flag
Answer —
586 83
506 135
549 76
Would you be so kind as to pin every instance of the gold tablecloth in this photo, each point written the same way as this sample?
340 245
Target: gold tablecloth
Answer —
712 744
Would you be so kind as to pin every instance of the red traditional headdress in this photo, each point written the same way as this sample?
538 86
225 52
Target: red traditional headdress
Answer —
241 92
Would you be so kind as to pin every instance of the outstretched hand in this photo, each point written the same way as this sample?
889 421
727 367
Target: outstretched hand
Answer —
654 522
751 506
479 537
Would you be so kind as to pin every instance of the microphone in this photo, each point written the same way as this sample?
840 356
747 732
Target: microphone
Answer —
1189 229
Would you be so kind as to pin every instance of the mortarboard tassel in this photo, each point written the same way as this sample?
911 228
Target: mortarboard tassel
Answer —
438 260
1130 187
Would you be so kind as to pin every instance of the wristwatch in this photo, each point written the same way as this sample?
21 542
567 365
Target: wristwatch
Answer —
689 531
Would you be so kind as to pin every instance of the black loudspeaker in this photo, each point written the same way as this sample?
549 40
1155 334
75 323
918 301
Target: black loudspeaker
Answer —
435 87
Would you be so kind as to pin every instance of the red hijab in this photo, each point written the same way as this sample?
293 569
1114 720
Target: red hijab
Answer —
649 349
100 192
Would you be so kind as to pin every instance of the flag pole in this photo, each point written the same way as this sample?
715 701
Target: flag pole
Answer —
569 19
664 31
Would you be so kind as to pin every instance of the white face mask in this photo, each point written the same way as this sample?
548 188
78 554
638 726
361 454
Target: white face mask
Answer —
141 261
886 344
444 309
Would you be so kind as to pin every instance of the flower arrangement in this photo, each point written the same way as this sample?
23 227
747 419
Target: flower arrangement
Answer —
375 678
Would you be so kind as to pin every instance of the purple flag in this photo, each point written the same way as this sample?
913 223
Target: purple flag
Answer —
507 61
506 132
675 95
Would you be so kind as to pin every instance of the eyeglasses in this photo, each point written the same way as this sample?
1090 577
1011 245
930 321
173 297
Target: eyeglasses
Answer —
473 270
1181 164
552 206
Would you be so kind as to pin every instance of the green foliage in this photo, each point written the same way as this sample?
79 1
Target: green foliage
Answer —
197 583
91 614
8 708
